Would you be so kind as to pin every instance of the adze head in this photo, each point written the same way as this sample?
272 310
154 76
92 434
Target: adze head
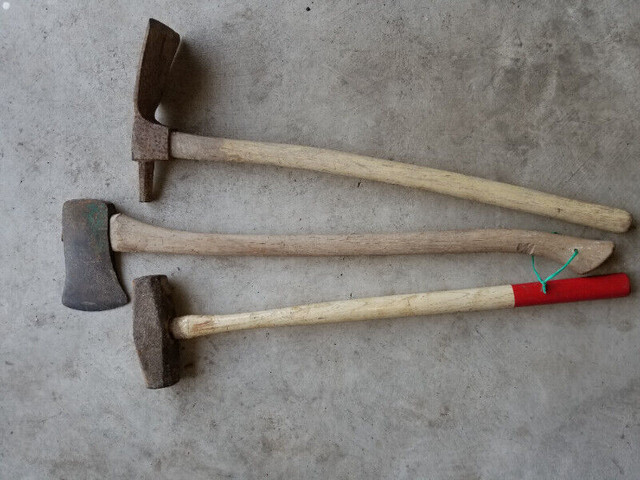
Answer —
91 282
150 139
158 350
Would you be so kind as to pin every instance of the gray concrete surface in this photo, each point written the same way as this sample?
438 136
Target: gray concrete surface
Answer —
542 94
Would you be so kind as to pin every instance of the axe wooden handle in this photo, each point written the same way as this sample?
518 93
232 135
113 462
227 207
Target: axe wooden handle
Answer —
396 306
192 147
130 235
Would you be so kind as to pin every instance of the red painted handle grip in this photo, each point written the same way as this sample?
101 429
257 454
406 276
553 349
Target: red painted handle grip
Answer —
572 290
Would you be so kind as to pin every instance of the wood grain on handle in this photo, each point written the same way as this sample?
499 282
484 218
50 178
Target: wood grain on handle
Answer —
394 306
193 147
130 235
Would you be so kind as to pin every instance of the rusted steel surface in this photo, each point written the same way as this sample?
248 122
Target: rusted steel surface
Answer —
91 283
158 351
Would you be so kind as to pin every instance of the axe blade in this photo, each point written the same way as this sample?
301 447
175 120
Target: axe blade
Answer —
91 283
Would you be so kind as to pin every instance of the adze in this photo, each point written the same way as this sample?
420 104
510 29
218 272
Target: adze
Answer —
152 141
157 330
92 230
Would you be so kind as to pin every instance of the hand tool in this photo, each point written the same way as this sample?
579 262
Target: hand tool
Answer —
152 141
92 230
157 330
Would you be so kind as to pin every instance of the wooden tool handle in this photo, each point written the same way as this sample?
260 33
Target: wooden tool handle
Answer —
129 235
396 306
194 147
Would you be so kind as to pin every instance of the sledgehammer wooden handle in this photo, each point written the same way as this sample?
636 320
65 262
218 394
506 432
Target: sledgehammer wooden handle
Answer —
396 306
192 147
130 235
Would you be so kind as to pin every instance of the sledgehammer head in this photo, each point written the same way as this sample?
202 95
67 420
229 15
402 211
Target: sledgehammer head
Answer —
153 311
91 282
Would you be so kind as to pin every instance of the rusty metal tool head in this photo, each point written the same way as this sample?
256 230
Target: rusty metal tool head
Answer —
157 330
91 282
93 230
150 141
158 350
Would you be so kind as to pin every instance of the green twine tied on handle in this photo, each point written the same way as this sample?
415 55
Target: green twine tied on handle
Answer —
544 282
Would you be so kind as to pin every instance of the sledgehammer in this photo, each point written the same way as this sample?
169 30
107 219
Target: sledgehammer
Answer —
92 230
157 329
153 142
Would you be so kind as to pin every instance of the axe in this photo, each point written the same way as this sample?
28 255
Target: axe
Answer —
152 141
92 230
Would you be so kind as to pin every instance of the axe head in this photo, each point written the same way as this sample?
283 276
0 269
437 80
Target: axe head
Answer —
153 311
91 282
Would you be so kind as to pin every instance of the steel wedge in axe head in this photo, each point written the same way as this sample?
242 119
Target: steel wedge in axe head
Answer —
152 141
157 330
92 230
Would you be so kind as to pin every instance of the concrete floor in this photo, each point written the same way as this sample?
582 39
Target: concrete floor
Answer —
541 94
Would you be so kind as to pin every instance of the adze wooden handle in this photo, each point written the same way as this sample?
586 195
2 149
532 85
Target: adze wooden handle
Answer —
192 147
130 235
396 306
